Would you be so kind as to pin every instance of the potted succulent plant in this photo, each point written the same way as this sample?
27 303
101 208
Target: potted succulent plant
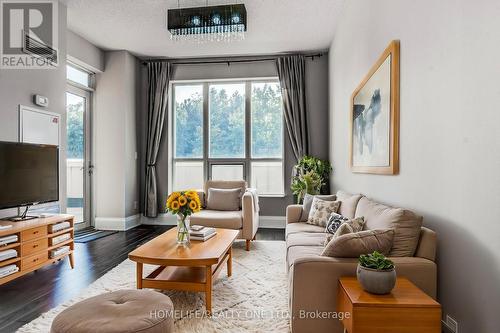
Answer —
376 273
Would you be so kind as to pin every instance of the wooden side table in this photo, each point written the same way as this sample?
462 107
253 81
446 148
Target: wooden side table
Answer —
407 309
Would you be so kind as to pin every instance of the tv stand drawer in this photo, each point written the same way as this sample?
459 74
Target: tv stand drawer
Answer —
34 233
34 260
35 246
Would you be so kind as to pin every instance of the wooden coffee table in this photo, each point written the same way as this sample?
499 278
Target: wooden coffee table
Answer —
190 268
407 309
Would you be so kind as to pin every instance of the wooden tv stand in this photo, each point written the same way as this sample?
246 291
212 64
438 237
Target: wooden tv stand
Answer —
35 243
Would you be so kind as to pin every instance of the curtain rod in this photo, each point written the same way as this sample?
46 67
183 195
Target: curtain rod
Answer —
223 61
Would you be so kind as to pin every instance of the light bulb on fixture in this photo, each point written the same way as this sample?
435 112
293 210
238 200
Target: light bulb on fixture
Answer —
216 19
196 21
235 19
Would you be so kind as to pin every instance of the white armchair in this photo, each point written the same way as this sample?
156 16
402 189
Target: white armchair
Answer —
246 220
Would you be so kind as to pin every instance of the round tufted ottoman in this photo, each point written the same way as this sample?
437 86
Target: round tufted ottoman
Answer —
144 311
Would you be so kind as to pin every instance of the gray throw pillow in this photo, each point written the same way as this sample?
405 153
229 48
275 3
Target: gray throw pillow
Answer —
321 211
308 200
353 245
224 199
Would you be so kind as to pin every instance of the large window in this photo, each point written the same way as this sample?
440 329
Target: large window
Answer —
228 130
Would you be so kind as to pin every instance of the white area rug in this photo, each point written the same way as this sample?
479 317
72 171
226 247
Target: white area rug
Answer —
254 299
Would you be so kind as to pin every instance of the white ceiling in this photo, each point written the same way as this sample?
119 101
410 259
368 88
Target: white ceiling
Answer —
139 26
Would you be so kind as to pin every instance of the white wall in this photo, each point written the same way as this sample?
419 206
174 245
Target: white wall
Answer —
17 86
116 185
84 53
450 156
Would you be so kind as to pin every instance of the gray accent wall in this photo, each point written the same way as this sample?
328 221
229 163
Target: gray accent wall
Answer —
317 103
17 86
450 138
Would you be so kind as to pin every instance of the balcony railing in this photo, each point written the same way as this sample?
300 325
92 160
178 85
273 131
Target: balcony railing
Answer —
74 187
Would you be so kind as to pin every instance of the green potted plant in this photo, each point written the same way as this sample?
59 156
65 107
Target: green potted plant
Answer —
310 183
310 175
376 273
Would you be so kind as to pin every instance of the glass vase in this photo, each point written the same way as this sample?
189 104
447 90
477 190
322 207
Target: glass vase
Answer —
183 230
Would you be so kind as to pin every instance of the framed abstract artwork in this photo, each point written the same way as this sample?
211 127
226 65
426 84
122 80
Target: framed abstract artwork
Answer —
374 121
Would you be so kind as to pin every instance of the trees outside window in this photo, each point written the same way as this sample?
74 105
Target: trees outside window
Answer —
75 127
230 126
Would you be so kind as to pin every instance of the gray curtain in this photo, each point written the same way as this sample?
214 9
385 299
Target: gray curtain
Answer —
291 73
159 74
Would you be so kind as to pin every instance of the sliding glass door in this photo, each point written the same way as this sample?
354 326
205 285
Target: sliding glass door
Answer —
78 164
76 157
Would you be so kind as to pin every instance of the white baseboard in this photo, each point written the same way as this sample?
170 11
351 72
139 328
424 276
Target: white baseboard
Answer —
274 222
117 223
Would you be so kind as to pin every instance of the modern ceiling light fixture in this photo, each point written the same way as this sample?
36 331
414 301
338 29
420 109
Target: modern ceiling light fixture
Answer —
209 23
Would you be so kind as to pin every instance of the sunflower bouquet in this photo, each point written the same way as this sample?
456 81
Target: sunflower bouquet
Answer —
183 204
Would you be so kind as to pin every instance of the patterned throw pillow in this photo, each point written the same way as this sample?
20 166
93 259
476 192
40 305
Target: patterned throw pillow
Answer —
321 210
347 227
334 222
308 200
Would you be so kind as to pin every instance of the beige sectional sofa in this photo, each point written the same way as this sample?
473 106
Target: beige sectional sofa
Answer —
313 279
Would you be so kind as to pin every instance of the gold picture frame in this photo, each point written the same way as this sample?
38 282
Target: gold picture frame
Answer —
374 117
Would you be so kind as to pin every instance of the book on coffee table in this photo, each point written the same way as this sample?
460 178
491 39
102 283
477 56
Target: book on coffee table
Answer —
196 227
203 238
203 232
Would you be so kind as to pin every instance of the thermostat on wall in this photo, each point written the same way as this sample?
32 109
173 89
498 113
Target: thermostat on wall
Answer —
41 100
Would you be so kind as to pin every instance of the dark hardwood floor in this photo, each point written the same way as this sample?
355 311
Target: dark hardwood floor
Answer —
27 297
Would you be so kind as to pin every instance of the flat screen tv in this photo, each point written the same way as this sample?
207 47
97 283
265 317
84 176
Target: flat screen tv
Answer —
29 174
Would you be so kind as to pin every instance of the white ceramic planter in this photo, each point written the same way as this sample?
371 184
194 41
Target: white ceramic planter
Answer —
376 281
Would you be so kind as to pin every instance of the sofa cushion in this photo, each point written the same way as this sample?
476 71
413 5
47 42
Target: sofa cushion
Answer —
305 239
218 219
348 203
224 199
302 227
352 245
405 223
299 252
308 200
321 211
227 184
